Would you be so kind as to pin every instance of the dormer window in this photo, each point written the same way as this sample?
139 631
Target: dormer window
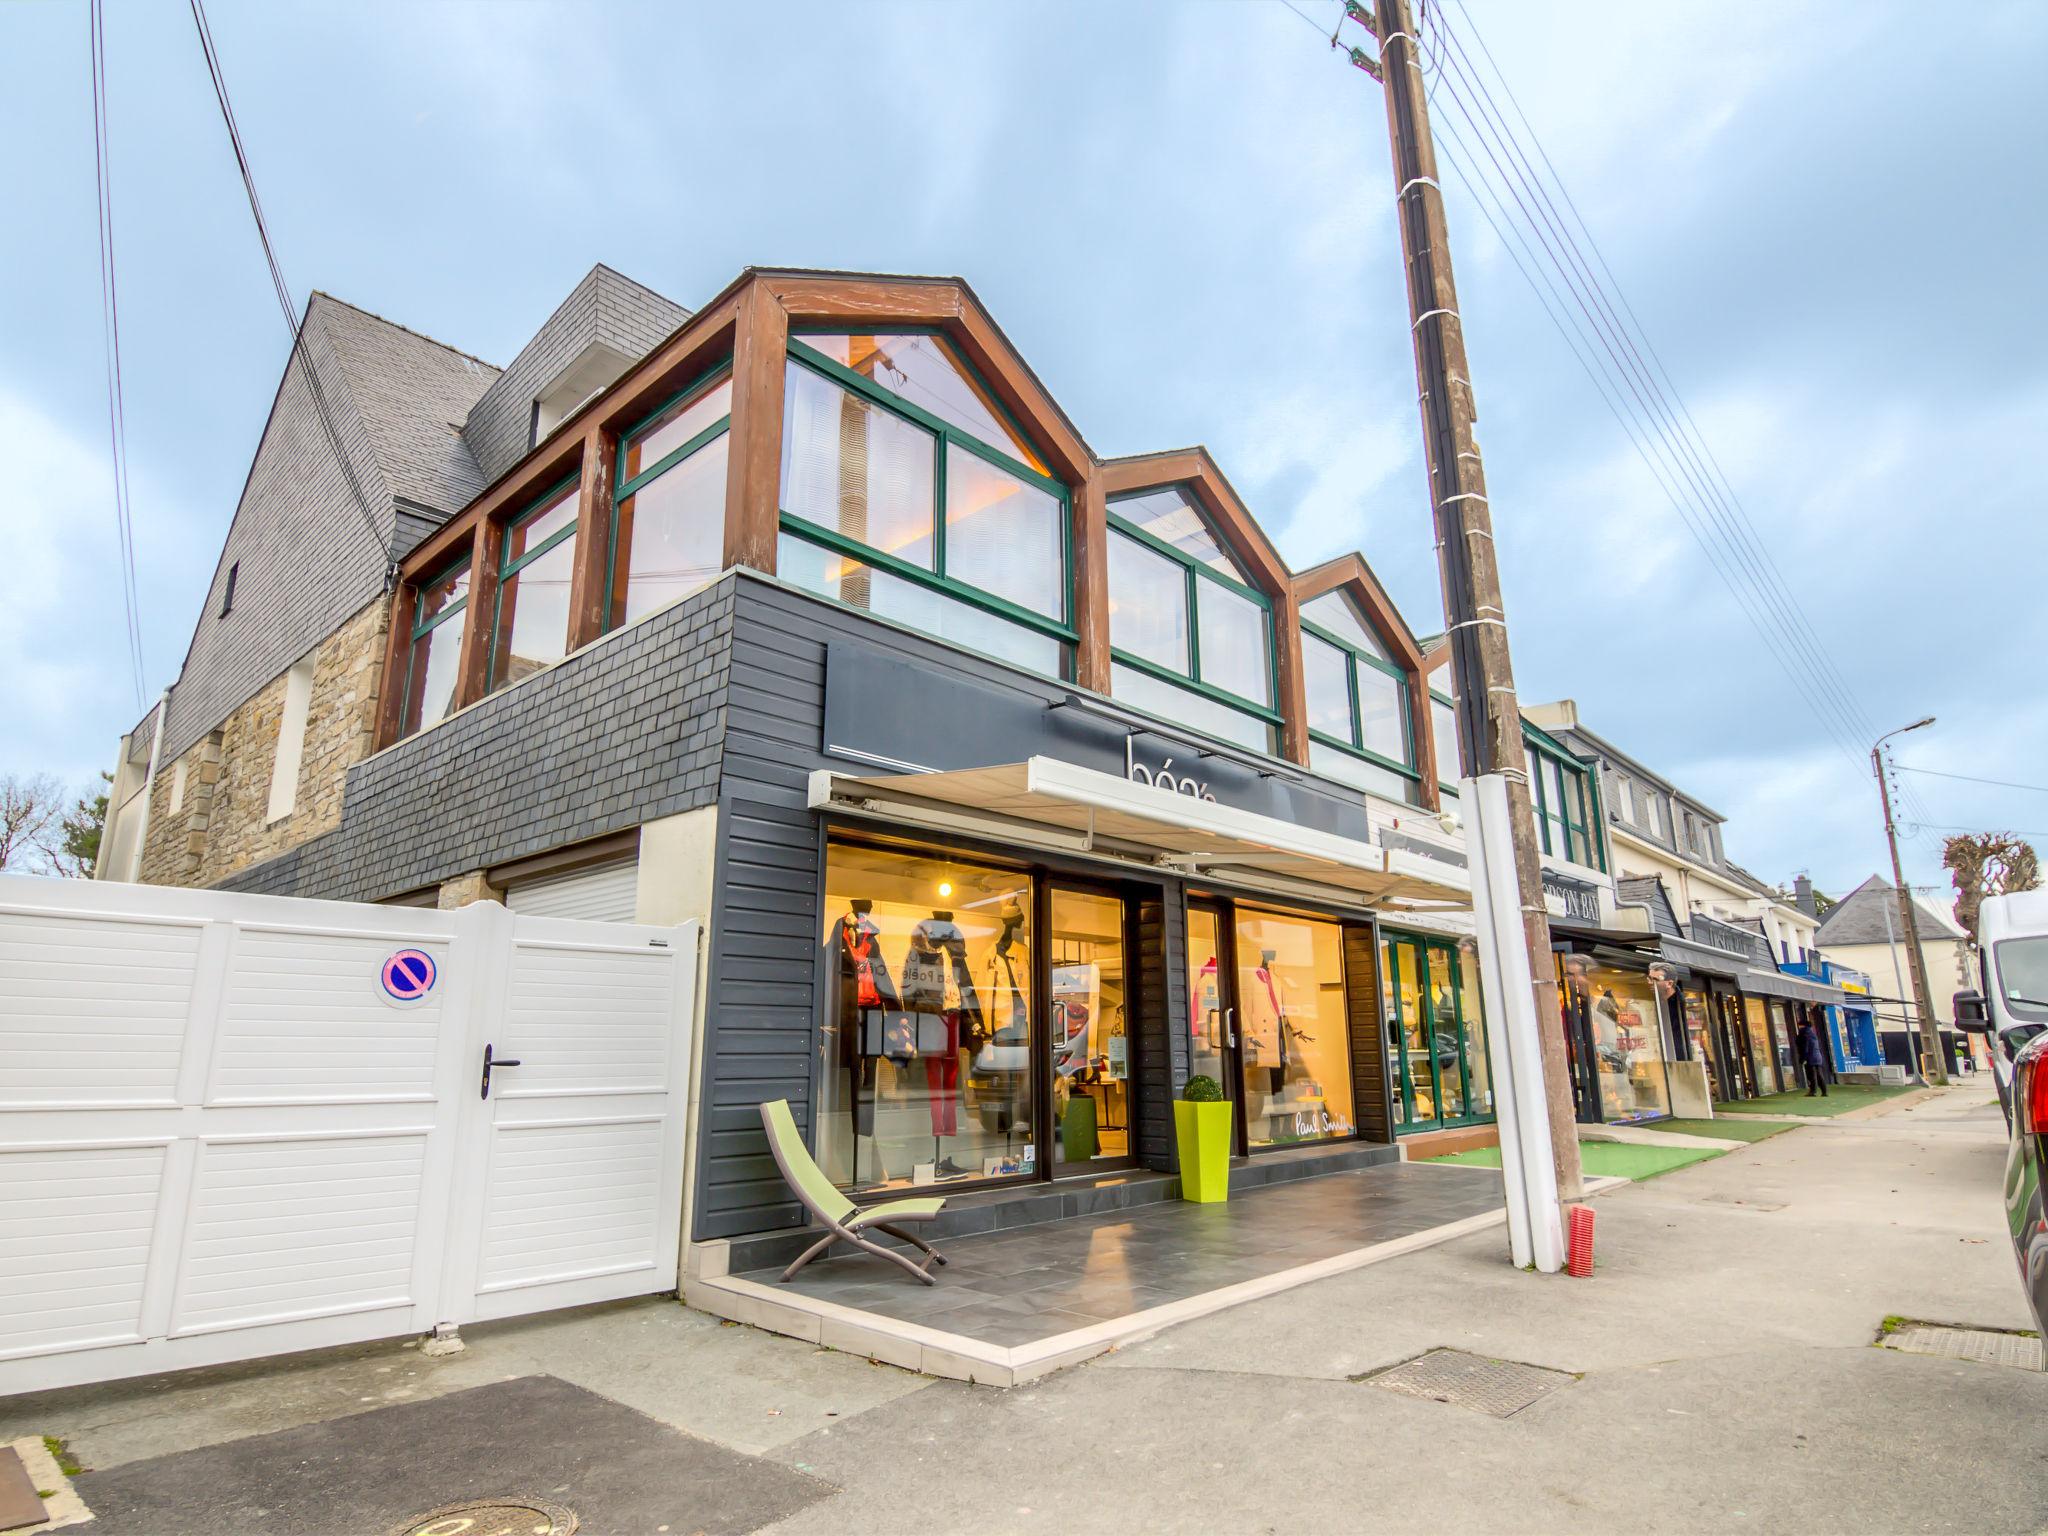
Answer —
1358 719
1190 637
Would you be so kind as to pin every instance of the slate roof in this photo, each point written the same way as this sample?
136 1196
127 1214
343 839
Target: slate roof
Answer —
411 395
1859 918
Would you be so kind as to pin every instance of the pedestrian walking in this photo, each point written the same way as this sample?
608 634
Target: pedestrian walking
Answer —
1813 1060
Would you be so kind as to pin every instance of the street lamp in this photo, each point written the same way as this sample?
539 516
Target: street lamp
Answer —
1932 1067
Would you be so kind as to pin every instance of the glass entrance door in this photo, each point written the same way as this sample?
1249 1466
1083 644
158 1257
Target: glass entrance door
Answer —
1269 1020
1434 1035
1089 1030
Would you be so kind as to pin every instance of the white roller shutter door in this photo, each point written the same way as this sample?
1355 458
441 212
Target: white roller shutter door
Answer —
603 892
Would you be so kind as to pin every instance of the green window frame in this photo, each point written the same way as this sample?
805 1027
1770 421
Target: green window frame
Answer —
945 435
508 568
1435 959
423 627
1194 573
703 384
1556 774
1403 691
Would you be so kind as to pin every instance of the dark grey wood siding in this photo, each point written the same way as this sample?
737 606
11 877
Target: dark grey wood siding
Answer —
1162 976
1369 1080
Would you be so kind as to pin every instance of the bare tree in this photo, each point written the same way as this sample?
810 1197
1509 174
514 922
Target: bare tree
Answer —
31 819
1987 864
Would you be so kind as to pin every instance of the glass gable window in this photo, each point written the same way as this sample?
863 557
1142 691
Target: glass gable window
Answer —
668 523
1190 638
1566 801
907 493
1357 699
1443 721
436 648
532 629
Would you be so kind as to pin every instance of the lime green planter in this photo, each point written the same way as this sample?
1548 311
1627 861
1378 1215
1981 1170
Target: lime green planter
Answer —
1203 1132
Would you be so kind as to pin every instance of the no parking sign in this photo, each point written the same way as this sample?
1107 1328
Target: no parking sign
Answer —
409 976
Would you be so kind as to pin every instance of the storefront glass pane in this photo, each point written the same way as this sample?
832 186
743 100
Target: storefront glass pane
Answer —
1294 1030
1760 1053
1410 1031
855 469
820 570
533 613
1781 1042
1091 1047
1171 518
675 426
926 1047
1379 713
671 534
1326 678
1148 604
1699 1030
1347 768
1003 535
1183 707
1334 611
1233 635
922 370
1443 719
1472 1019
1628 1057
1208 1029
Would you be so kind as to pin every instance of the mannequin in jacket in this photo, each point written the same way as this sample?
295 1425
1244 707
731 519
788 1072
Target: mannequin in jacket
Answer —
944 1012
865 1000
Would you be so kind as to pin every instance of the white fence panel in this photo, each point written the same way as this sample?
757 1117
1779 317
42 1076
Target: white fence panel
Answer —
222 1135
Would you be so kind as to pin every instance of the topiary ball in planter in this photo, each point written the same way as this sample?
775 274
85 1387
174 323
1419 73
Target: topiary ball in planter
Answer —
1203 1089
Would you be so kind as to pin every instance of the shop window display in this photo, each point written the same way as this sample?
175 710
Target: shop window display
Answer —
1619 1011
1088 1017
1294 1033
1436 1032
1760 1053
927 1040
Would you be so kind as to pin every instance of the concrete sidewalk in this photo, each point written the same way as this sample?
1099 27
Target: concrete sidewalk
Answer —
1722 1378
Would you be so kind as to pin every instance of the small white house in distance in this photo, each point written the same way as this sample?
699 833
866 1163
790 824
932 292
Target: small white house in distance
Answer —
1863 931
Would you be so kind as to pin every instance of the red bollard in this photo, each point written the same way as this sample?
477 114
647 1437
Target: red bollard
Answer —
1579 1260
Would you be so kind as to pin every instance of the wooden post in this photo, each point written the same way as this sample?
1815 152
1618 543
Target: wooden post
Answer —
473 668
753 485
397 670
1293 699
589 585
1091 582
1489 715
1424 732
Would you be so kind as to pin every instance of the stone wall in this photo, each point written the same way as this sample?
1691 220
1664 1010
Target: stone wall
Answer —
223 825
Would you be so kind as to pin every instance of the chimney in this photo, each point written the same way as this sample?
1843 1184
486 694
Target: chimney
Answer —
1802 895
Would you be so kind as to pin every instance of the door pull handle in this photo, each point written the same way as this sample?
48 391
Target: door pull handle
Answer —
1230 1026
507 1061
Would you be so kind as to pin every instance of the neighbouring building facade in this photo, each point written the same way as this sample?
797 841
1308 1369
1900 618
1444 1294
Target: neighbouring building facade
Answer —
1014 786
1863 932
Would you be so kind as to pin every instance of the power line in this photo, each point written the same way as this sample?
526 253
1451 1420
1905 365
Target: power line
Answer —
110 324
1938 826
1969 778
311 374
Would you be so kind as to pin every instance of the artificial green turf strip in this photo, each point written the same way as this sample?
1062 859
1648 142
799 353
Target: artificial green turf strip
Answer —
1750 1129
1841 1098
1604 1159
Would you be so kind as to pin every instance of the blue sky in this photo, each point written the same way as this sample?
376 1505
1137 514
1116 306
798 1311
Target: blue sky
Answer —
1827 220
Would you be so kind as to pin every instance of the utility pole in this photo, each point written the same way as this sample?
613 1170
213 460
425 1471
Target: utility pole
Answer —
1495 785
1932 1066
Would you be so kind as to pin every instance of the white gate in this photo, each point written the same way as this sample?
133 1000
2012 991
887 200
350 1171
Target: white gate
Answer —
235 1125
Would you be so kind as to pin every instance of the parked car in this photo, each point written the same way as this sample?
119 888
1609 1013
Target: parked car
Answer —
2024 1207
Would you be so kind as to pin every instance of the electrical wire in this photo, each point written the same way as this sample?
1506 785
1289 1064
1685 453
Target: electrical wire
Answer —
308 370
110 323
1970 778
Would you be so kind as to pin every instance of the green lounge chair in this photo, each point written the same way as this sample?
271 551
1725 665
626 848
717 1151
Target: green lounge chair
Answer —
843 1220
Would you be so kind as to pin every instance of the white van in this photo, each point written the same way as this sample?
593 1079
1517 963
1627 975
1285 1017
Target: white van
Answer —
2012 933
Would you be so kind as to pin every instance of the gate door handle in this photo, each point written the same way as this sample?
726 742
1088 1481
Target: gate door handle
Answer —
488 1064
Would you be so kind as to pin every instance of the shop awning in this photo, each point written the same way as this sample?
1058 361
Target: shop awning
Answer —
1046 803
1778 984
1704 958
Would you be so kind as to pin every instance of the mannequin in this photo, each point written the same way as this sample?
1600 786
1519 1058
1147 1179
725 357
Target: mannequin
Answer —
866 997
943 1011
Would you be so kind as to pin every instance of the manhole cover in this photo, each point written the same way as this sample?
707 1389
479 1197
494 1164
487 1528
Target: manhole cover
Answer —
1498 1387
1986 1346
507 1516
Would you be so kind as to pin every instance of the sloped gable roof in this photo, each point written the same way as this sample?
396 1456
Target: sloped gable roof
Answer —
1869 915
